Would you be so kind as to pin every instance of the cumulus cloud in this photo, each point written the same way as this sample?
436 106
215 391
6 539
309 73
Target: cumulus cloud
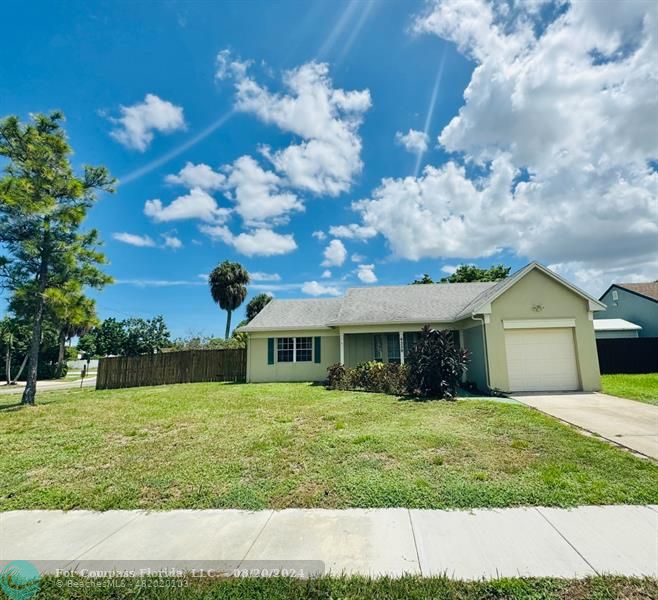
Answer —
326 274
445 213
141 241
366 273
327 119
260 276
352 231
257 242
319 235
560 121
256 193
136 126
171 241
414 141
334 254
200 176
198 204
314 288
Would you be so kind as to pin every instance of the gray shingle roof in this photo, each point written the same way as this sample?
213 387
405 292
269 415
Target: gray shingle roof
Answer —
295 314
429 303
439 302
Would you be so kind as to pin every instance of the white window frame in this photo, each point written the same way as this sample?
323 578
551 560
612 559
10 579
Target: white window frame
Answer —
284 362
307 337
294 349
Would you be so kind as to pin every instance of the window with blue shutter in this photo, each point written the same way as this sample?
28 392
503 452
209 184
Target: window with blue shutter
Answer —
318 354
270 351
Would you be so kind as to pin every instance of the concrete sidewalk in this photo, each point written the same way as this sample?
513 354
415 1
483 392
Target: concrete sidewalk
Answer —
475 544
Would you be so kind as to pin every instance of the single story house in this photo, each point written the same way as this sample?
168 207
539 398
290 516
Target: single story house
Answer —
634 302
605 329
530 332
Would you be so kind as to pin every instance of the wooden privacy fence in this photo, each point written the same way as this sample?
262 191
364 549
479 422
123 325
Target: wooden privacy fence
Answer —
628 355
172 367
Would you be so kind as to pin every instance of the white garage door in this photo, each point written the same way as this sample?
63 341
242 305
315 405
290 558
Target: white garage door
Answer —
541 360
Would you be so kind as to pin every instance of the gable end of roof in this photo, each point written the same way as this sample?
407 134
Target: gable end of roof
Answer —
499 289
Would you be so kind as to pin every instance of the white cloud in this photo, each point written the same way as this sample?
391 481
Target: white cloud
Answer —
228 66
141 241
171 241
352 231
327 119
560 121
449 269
256 193
260 276
158 283
326 274
198 204
366 273
357 258
414 141
313 288
334 254
597 279
200 176
319 235
137 123
259 242
445 214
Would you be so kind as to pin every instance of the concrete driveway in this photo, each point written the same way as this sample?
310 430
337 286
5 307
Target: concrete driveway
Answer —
625 422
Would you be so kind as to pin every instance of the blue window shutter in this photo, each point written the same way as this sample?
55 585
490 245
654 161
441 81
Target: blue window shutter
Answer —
318 353
270 351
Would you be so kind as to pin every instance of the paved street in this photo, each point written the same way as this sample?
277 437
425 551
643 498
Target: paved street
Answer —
472 544
49 386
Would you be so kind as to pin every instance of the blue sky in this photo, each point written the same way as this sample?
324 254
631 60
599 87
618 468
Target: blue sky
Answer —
289 113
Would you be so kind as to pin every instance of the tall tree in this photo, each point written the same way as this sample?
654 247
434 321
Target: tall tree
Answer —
228 288
73 313
14 339
468 273
145 336
256 304
42 206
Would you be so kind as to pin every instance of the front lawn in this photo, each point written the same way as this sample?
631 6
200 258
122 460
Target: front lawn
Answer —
636 387
354 588
284 445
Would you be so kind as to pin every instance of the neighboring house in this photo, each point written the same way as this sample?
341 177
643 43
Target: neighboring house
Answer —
531 331
634 302
606 329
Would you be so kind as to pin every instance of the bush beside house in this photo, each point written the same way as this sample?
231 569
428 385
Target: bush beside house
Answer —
434 368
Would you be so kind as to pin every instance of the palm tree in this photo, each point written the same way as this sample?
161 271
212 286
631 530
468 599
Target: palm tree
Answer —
74 313
228 282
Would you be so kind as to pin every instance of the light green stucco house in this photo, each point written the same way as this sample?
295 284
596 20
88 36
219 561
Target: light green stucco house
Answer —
530 332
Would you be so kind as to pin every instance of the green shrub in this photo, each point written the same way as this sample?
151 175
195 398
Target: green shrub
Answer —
335 376
435 365
385 378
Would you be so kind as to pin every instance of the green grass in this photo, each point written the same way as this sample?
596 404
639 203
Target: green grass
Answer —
636 387
299 445
344 588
